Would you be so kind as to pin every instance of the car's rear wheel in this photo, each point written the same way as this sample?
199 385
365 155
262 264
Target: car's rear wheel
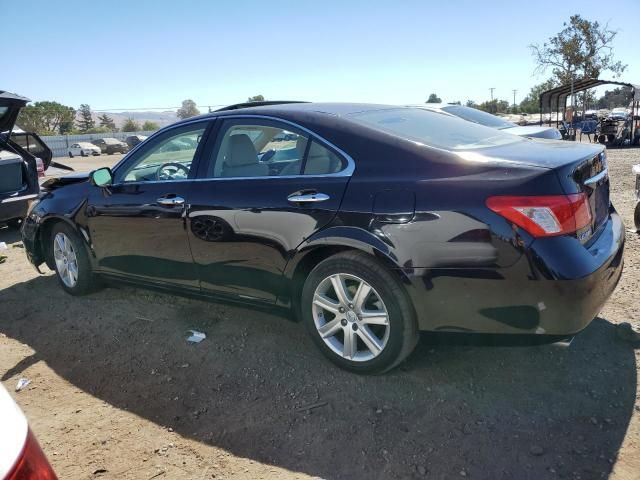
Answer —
636 217
71 261
358 313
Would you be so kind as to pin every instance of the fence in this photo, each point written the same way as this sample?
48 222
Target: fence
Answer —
59 144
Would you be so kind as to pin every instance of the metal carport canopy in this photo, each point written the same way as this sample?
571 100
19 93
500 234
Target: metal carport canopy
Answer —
560 94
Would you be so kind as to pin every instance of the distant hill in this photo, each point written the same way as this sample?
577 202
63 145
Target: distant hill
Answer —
161 118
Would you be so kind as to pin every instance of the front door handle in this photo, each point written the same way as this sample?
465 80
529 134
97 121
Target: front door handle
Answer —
170 201
308 197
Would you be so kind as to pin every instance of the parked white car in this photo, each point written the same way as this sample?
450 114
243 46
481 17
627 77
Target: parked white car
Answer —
84 149
20 455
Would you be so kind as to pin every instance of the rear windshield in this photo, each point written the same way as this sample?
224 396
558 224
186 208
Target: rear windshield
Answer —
3 111
477 116
434 129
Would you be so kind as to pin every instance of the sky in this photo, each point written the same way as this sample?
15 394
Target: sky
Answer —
124 55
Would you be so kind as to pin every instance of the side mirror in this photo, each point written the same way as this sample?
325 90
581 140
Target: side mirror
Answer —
102 177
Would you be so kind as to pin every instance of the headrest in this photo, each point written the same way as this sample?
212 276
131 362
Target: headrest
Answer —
241 151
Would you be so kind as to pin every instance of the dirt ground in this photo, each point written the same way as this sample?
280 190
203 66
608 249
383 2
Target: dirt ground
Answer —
116 391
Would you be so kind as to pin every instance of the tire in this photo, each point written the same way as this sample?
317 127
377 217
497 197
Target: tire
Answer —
393 340
70 155
85 281
82 154
636 217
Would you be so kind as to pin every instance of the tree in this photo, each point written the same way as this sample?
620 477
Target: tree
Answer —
188 109
618 97
130 125
581 50
494 106
256 98
433 98
149 126
86 121
471 104
106 121
46 118
531 103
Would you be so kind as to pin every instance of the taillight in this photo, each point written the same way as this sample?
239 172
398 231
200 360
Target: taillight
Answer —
40 167
32 464
544 216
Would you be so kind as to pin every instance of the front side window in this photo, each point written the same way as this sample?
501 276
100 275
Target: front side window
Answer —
168 158
251 150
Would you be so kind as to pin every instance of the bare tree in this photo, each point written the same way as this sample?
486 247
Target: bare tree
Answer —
583 49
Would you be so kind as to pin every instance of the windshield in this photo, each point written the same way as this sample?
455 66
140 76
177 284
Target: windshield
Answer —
434 129
477 116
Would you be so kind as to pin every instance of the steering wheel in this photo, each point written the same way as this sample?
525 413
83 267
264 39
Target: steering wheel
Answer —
268 155
167 171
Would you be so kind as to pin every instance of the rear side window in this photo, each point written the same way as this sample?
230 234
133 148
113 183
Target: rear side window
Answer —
252 150
269 149
322 161
434 129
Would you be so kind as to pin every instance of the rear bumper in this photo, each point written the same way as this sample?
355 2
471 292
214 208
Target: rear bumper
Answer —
557 288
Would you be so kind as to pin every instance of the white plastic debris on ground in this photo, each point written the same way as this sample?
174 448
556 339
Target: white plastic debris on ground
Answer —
22 383
196 337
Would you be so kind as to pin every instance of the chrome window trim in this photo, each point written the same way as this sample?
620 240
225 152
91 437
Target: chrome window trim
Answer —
345 172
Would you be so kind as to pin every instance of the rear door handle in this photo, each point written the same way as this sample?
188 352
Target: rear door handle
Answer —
170 201
308 197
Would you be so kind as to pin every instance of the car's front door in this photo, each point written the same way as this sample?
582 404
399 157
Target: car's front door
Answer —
266 186
137 225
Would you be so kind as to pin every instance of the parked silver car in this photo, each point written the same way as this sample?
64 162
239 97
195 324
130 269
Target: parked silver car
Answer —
483 118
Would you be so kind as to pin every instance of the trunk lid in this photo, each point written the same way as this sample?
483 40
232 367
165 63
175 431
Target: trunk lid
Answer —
10 105
580 167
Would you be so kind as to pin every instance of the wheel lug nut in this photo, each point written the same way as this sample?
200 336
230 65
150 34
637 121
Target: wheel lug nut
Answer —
343 322
350 305
341 309
354 326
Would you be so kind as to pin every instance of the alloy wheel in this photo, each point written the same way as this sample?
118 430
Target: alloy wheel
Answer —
350 317
66 259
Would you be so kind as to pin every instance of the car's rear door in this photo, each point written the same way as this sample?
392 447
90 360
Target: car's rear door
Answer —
258 199
138 224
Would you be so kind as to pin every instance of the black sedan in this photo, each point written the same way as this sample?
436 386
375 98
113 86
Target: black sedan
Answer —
371 222
111 145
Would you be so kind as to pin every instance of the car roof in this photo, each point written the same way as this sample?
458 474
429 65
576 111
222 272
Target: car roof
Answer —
311 108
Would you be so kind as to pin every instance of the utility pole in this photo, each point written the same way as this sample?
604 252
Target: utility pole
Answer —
491 108
514 98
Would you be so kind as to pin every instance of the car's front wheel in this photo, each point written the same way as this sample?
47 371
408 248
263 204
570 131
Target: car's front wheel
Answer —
70 155
358 313
71 261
